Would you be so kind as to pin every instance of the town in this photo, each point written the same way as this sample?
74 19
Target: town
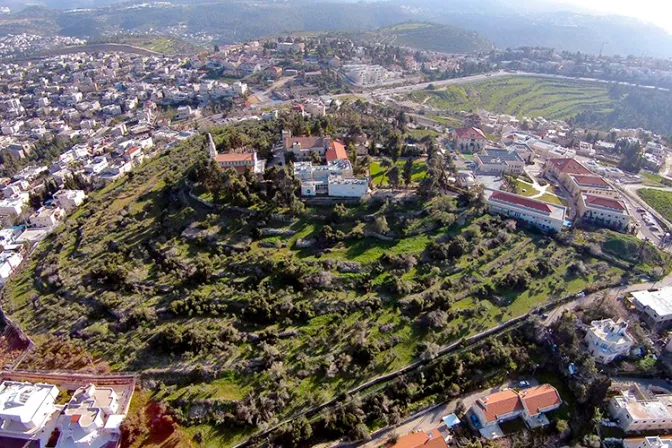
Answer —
239 225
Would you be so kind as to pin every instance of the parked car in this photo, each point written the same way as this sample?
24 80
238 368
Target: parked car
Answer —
641 210
523 384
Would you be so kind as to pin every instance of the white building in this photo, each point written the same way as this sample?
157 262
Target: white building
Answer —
603 211
333 179
608 340
648 442
13 206
544 215
657 305
633 411
46 217
589 184
9 261
499 161
25 408
68 200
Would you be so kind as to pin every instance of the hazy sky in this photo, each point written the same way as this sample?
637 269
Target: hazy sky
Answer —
655 11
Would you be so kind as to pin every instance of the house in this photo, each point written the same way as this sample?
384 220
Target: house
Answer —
608 340
634 411
589 184
530 404
68 200
469 139
648 442
655 304
544 215
272 72
336 151
9 261
19 150
302 147
603 211
13 206
24 409
499 161
421 439
46 217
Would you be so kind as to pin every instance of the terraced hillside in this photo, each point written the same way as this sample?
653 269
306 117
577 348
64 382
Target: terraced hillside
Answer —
521 96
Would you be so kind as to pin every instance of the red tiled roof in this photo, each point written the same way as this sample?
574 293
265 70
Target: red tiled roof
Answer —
521 200
235 157
500 403
336 151
537 399
596 181
421 439
470 133
604 202
569 166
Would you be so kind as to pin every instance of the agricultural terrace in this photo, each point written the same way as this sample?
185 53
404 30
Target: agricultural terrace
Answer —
521 96
250 316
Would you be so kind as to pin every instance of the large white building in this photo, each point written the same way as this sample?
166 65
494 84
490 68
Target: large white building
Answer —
69 200
499 161
24 408
633 411
544 215
608 340
589 184
603 211
656 305
648 442
333 179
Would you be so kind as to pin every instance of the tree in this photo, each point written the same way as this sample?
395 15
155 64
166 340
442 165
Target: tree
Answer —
393 176
408 171
315 157
380 225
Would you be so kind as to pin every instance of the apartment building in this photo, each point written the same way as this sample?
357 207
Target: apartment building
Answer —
544 215
633 411
608 340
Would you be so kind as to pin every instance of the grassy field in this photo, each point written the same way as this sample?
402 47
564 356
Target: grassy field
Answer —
661 201
379 173
521 96
655 180
527 190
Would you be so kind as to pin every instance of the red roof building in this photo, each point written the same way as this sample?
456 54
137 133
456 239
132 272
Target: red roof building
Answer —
433 439
567 166
603 211
336 151
544 215
510 404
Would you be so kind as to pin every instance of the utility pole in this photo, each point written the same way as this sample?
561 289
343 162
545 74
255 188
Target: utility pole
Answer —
602 48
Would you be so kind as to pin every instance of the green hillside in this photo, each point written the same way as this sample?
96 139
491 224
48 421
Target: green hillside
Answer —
430 36
521 96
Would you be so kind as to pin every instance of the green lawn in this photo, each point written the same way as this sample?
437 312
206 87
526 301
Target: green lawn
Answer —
527 190
661 201
379 177
521 96
655 180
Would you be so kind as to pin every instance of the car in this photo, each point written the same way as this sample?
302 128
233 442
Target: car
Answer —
654 229
581 295
641 210
523 383
544 316
475 422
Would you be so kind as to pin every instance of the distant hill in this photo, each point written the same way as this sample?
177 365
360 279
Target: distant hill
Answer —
429 36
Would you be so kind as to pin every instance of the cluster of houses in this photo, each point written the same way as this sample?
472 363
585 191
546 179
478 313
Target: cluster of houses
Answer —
33 414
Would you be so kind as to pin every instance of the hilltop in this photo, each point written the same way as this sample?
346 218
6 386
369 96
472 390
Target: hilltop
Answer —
429 36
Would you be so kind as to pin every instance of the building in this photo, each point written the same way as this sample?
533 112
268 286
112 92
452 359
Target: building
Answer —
499 161
19 150
589 184
46 217
421 439
603 211
529 404
469 139
648 442
562 168
69 200
656 305
544 215
302 147
336 151
240 162
272 72
9 261
608 340
633 411
333 179
25 408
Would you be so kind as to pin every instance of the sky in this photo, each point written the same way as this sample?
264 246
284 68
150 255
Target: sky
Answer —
658 12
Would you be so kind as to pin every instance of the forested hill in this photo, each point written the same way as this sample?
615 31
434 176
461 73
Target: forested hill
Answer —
636 108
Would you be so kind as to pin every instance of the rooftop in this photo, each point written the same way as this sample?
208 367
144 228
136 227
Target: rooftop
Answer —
498 404
492 156
433 439
21 401
336 151
569 166
660 302
474 133
600 201
590 181
610 331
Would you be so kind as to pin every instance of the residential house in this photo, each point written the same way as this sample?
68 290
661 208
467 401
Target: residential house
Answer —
469 139
529 404
603 211
9 261
634 411
608 340
333 179
272 72
655 304
499 161
69 200
544 215
648 442
421 439
24 409
46 217
19 150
